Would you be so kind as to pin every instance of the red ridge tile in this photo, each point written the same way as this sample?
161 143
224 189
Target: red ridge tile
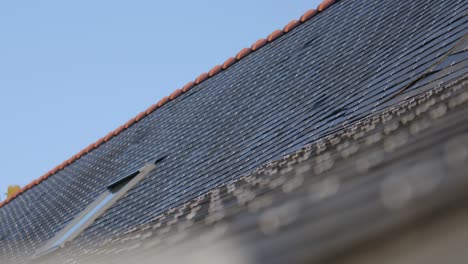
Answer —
244 52
99 142
140 116
75 157
163 101
89 148
274 35
43 177
151 109
201 78
29 186
81 153
216 69
229 62
325 4
54 170
188 86
291 25
259 43
175 94
308 15
119 130
109 136
130 123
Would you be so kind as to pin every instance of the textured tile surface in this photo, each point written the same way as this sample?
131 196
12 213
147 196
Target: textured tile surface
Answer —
343 64
376 179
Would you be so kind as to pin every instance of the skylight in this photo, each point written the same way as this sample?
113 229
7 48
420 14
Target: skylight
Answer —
87 216
112 193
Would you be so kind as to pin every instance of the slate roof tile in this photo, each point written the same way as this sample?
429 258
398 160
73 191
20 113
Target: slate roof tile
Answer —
225 65
275 209
334 68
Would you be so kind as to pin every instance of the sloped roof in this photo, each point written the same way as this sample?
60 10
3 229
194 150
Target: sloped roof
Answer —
329 70
204 76
388 171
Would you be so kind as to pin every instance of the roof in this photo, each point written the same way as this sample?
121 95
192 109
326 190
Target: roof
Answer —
275 213
201 78
330 70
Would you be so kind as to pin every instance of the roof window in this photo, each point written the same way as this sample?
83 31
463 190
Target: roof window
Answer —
86 218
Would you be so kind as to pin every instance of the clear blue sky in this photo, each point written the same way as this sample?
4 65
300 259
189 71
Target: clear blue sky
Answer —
72 71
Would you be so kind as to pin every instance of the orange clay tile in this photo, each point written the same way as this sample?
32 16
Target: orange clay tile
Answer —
151 109
290 26
216 69
163 101
119 130
308 15
109 136
99 142
274 35
81 153
140 116
175 94
29 186
259 43
201 78
89 148
229 62
64 164
76 157
325 4
244 52
188 86
130 123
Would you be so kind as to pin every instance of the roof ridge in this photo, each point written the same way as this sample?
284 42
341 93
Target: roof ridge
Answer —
201 78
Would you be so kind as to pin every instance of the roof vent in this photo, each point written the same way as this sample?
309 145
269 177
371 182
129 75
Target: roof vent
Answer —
12 190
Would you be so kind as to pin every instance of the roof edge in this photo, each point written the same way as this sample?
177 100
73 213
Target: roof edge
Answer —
201 78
